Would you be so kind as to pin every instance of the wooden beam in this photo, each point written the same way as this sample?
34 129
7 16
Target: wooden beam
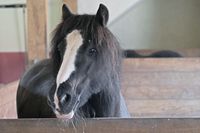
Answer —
37 29
72 4
101 126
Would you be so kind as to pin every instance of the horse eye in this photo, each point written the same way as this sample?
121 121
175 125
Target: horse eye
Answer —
92 52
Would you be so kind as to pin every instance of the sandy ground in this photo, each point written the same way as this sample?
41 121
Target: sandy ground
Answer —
8 100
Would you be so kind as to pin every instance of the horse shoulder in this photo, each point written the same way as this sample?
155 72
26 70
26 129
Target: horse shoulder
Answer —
33 89
38 77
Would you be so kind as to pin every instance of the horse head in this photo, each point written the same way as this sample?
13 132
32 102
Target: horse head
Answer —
86 59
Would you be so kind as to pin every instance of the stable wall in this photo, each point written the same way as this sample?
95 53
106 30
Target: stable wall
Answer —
151 24
160 24
12 42
138 24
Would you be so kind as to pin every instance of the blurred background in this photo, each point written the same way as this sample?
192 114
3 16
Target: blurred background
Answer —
143 25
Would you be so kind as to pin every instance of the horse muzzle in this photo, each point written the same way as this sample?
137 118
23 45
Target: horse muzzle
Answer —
65 102
66 111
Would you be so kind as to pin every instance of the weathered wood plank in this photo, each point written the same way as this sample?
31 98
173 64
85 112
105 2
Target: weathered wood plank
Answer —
162 87
102 126
163 64
161 78
37 29
164 92
164 108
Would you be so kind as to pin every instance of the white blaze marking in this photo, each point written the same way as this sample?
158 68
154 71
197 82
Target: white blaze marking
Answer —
74 41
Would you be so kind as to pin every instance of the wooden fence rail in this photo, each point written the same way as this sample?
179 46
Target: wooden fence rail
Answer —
162 87
145 125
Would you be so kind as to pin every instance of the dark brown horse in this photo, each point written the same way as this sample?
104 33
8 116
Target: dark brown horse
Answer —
82 77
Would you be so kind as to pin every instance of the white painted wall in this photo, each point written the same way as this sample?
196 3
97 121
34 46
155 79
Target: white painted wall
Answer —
160 24
151 24
12 28
54 14
12 2
116 7
12 38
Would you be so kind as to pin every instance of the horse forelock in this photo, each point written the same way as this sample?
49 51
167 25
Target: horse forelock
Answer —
79 22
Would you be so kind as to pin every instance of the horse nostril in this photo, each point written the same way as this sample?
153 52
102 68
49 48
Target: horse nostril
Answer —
57 109
66 98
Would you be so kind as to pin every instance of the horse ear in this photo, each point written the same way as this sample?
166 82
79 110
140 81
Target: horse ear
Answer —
102 15
65 12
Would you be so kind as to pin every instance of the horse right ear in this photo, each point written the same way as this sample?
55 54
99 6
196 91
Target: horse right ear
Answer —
65 12
102 15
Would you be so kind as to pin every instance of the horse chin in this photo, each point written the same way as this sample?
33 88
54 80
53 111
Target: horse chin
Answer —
65 116
68 116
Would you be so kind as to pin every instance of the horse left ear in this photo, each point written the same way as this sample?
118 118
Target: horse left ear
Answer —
102 15
65 12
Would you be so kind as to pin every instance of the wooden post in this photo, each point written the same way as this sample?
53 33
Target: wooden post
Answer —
72 4
37 29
